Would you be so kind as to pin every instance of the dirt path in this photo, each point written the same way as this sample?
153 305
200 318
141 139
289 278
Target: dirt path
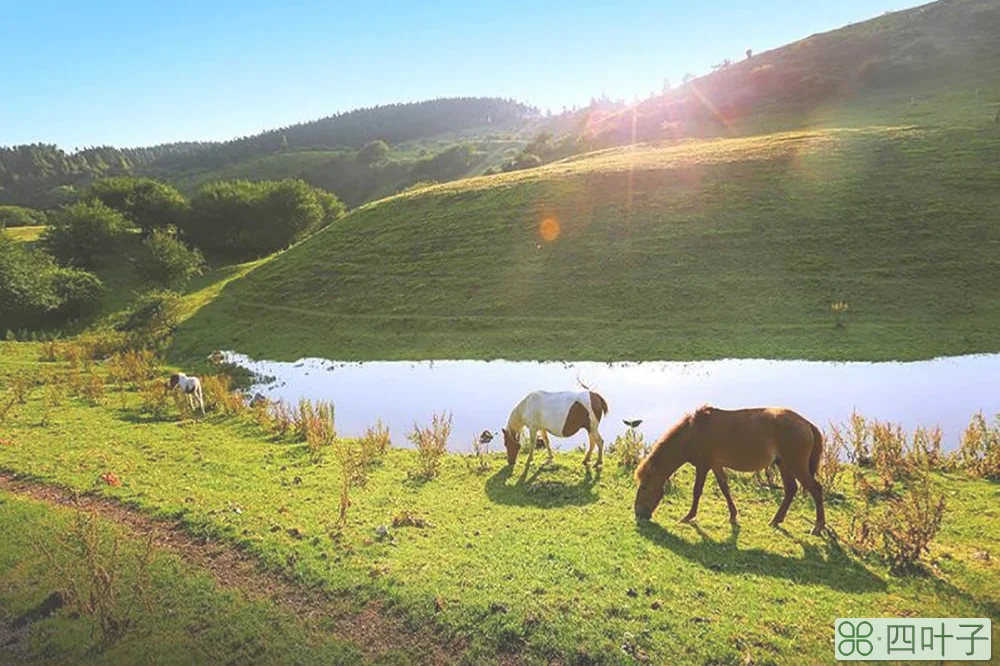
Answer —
371 630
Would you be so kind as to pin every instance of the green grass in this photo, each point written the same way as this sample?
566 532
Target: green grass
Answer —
700 249
541 567
190 619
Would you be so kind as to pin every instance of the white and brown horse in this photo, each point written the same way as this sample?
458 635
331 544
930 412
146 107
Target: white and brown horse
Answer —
191 387
561 414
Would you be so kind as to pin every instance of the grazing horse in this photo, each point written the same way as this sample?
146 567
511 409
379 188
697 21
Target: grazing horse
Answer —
746 440
191 386
562 414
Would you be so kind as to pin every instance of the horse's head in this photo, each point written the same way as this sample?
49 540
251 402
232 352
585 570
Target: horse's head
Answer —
666 456
511 442
174 380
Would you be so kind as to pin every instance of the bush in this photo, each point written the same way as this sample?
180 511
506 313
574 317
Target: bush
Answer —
168 261
253 218
35 292
16 216
147 203
83 233
375 443
979 451
629 448
321 433
78 291
431 444
152 318
830 466
909 525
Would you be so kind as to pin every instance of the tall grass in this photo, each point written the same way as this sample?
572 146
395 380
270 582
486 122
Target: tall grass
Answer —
431 444
630 448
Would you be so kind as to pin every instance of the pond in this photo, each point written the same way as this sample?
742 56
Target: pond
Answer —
480 394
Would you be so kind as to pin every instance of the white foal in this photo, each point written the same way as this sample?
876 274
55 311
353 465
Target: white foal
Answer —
562 414
191 387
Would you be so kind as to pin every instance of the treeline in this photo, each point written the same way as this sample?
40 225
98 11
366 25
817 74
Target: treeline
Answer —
393 123
43 175
50 285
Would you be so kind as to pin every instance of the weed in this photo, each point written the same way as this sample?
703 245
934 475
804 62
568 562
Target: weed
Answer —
629 448
979 451
859 451
93 389
94 577
409 518
154 398
909 524
888 453
838 309
431 444
375 443
220 396
320 431
830 466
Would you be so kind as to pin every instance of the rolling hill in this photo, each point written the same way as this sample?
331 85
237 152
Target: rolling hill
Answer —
687 248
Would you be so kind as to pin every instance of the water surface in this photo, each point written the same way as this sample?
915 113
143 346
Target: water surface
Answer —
480 394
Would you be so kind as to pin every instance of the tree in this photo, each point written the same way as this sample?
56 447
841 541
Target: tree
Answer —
168 261
247 218
749 53
35 292
687 78
666 86
374 152
147 203
84 232
16 216
284 142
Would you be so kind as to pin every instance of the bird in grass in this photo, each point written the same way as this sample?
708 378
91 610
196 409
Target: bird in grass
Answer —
633 424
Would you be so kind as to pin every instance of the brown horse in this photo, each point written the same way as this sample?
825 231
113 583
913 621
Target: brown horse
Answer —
746 440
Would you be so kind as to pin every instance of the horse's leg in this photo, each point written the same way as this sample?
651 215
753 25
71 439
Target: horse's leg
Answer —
788 479
699 484
590 449
809 482
595 435
720 477
533 438
548 444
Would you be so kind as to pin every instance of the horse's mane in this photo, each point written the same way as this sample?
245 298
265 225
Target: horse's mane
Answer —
651 461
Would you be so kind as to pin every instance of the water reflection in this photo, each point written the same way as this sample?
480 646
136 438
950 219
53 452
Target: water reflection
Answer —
480 394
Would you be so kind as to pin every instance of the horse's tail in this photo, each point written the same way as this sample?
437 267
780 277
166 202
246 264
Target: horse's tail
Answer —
598 404
817 450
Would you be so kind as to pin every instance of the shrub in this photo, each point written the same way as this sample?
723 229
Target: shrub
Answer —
246 218
168 261
925 452
93 389
93 566
431 444
152 318
154 398
78 291
17 216
979 451
375 443
859 451
321 432
83 233
830 466
35 292
888 453
147 203
630 448
220 396
909 524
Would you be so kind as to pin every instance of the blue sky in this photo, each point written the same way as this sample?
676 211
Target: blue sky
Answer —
131 73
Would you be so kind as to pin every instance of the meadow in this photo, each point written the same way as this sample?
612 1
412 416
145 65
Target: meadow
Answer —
497 566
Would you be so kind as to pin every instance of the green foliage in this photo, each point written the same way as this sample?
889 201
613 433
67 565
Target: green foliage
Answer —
373 152
84 232
147 203
35 291
168 261
253 218
152 318
17 216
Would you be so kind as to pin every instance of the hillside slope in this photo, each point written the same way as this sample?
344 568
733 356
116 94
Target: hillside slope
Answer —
931 64
697 249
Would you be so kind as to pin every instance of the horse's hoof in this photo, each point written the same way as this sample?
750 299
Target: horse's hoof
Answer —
733 521
775 523
818 530
687 520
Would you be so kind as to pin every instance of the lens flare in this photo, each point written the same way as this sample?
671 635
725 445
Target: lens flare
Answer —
549 229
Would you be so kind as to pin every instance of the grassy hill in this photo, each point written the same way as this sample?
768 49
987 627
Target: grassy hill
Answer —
694 249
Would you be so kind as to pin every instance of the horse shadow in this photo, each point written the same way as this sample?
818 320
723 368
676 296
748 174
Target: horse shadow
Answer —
534 490
827 565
